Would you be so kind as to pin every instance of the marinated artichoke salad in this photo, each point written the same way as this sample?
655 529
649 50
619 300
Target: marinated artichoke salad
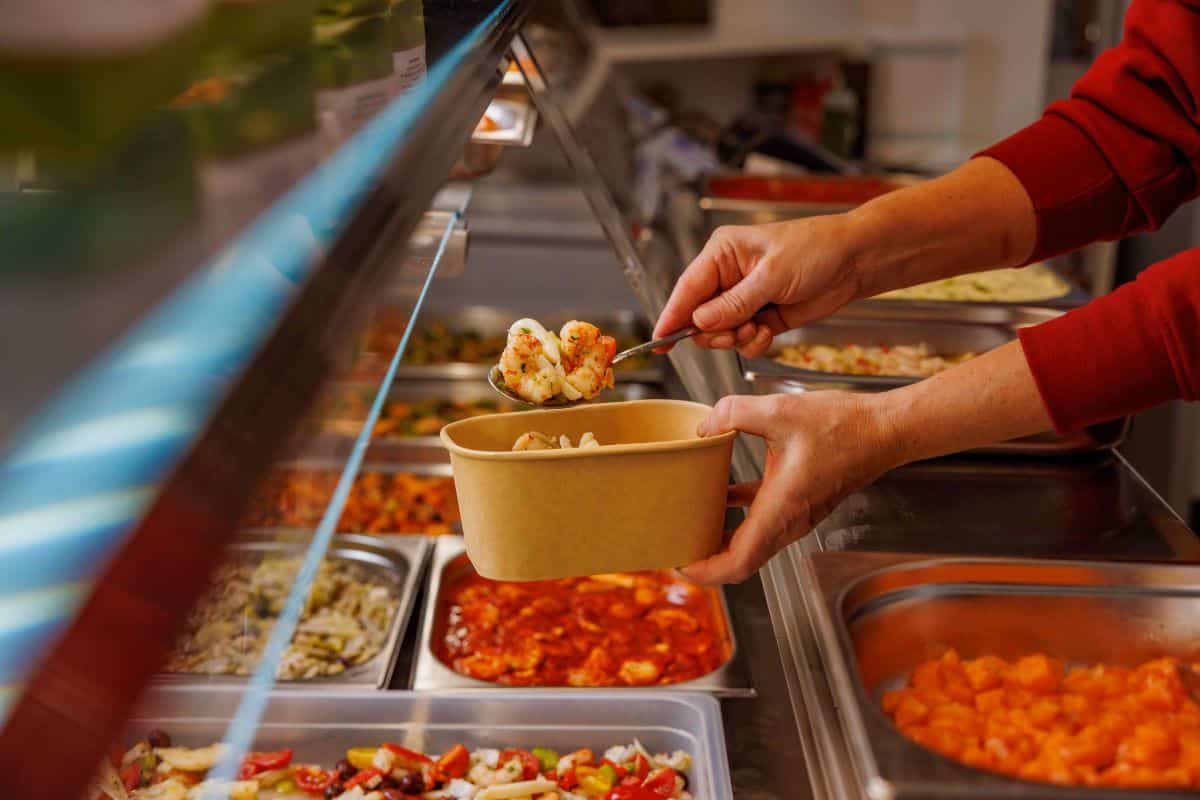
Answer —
344 624
155 770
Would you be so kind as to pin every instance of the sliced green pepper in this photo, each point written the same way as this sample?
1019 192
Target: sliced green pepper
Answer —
548 758
607 775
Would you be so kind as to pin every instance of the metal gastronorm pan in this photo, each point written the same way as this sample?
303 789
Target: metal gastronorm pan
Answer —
398 559
878 615
321 726
962 332
961 329
430 673
335 465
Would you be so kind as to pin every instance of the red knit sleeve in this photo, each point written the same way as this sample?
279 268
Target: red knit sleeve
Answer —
1124 352
1123 151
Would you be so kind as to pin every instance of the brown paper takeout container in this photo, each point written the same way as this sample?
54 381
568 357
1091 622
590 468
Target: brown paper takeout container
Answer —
651 496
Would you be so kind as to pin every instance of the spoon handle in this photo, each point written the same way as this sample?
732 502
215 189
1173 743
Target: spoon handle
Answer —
686 333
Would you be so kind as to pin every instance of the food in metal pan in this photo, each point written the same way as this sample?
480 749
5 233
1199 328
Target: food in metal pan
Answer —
1022 285
540 441
399 502
155 770
343 412
904 360
344 623
439 343
623 629
539 365
1036 719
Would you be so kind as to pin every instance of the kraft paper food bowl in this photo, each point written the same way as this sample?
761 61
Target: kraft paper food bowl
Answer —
651 496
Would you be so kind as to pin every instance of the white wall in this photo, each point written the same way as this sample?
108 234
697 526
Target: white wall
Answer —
1007 50
996 81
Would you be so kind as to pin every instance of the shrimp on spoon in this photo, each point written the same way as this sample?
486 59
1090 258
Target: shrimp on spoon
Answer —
544 369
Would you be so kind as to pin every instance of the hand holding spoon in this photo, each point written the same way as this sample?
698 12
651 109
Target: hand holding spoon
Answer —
496 377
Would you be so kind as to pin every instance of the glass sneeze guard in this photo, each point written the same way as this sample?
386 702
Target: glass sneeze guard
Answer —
140 467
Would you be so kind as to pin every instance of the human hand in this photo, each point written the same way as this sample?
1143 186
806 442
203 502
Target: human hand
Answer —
801 268
821 446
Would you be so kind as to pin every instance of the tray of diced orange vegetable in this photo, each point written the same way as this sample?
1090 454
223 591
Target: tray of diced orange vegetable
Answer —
1039 719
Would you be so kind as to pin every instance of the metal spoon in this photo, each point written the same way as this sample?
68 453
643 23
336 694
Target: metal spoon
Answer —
496 377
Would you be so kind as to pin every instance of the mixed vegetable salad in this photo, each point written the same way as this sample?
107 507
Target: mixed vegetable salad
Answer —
155 770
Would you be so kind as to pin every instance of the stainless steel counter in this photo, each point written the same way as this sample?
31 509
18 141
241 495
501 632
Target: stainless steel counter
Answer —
1096 508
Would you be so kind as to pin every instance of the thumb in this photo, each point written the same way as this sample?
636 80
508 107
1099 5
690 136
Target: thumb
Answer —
739 412
734 306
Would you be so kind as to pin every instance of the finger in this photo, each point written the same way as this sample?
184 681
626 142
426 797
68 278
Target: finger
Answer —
698 283
735 305
740 412
754 542
741 495
745 333
759 344
722 340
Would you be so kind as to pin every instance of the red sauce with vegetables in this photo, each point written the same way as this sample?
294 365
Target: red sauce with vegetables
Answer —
632 629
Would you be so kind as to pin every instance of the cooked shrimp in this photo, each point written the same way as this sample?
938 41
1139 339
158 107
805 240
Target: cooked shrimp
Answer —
534 441
586 360
530 362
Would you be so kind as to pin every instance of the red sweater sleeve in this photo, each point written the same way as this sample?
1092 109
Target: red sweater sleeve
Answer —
1124 352
1123 151
1118 157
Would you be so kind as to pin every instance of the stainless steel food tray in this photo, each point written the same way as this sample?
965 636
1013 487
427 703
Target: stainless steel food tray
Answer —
429 449
961 329
401 559
429 673
717 211
492 320
1074 298
333 460
863 325
1104 436
321 726
878 615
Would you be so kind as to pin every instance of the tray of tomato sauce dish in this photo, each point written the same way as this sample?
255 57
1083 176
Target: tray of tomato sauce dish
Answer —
1011 678
643 630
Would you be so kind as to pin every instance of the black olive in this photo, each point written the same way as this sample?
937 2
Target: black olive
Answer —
412 783
158 738
333 790
685 779
344 769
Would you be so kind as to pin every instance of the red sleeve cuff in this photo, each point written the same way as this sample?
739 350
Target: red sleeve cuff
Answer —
1102 361
1076 194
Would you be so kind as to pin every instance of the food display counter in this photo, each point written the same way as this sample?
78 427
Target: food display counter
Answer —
238 523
